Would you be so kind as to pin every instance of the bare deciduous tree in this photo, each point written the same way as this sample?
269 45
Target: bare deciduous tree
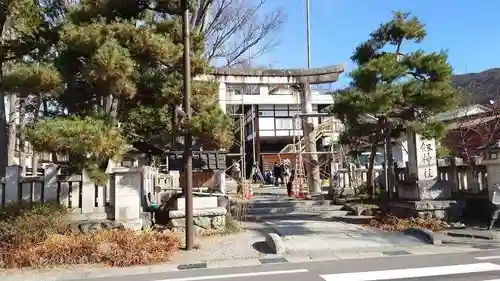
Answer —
236 30
471 130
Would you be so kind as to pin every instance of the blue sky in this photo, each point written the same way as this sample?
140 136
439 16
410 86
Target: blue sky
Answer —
469 30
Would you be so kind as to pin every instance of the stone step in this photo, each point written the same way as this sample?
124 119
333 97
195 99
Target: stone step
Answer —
350 218
305 209
283 203
283 216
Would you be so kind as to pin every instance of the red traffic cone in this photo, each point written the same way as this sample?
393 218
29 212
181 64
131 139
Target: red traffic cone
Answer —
250 194
299 191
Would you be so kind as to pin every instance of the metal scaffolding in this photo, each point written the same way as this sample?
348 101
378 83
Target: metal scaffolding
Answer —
328 160
239 141
237 112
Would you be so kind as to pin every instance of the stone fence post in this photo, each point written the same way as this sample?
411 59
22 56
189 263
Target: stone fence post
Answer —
12 179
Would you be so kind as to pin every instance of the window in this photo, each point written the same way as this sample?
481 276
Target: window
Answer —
266 113
243 89
284 123
249 129
266 124
280 113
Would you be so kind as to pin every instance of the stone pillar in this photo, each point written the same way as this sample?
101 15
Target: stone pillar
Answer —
175 176
109 170
220 180
51 172
309 136
88 194
126 196
12 178
422 183
421 157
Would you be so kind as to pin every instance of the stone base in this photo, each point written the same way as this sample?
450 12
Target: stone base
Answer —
205 220
132 224
423 209
199 202
89 226
147 220
424 190
97 213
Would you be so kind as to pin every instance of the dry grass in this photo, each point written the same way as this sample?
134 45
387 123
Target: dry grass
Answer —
393 223
38 236
240 208
231 226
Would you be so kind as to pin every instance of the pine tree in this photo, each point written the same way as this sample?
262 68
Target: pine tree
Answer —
27 28
397 88
121 65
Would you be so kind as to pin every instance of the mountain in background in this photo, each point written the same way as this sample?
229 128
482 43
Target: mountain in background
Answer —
480 87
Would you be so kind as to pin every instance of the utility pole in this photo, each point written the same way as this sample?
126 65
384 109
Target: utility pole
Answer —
308 32
308 131
253 137
188 138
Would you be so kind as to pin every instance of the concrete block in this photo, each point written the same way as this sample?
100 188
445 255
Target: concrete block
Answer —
276 244
423 234
198 203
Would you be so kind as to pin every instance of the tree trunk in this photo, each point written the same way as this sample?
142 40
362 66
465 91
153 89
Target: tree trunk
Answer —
34 154
3 130
370 177
111 108
389 162
12 129
22 147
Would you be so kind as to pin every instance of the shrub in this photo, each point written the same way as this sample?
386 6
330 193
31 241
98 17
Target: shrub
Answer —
31 222
393 223
108 247
35 235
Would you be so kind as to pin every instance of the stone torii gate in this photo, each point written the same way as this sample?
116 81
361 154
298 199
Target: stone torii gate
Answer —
300 79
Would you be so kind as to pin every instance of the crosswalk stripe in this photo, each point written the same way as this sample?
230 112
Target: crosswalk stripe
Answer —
412 272
487 258
237 275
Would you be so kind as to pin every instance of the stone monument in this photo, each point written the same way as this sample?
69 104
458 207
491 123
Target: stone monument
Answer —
422 194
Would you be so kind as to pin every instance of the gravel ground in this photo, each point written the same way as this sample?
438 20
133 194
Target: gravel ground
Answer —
249 243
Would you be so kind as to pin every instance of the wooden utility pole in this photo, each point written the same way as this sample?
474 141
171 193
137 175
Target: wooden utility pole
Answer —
188 138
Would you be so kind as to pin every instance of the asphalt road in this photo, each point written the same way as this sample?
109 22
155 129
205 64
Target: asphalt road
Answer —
476 266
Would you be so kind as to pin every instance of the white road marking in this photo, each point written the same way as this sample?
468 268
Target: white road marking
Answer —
487 258
237 275
412 272
493 280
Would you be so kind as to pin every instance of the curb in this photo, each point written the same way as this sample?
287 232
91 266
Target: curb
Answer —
423 234
276 244
471 235
67 274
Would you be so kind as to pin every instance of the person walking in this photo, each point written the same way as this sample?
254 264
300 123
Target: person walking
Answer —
289 184
236 175
277 173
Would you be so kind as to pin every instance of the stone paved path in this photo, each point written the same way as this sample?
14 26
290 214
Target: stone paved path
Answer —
323 234
246 244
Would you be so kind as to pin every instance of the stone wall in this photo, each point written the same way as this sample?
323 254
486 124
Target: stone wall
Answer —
205 220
